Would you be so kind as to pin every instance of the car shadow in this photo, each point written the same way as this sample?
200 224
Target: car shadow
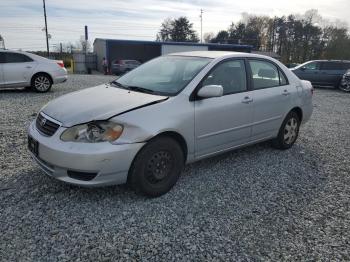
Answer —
258 166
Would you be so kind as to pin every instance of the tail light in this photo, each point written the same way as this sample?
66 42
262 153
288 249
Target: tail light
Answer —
60 63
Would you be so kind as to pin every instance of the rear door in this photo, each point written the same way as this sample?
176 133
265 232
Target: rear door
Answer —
17 69
272 98
224 122
331 73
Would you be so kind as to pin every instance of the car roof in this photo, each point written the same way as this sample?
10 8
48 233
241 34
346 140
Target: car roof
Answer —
330 60
13 51
216 54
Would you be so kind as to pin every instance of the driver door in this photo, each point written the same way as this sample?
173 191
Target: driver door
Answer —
222 123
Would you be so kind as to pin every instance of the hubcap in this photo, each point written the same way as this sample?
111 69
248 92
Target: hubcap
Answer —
345 87
42 83
291 131
159 167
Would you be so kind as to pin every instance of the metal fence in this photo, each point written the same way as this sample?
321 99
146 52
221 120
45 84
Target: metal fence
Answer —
84 63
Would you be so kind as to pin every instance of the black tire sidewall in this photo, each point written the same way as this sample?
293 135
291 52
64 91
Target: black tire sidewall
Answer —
137 178
279 141
33 83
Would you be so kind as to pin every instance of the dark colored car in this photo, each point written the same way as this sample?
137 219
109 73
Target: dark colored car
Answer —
345 82
119 67
291 65
323 73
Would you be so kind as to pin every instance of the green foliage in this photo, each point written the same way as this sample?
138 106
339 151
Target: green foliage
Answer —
295 38
177 30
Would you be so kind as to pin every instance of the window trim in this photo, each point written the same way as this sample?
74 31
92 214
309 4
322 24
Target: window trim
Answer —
194 97
278 69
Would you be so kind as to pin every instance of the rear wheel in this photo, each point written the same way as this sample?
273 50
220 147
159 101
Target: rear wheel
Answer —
288 132
41 83
157 167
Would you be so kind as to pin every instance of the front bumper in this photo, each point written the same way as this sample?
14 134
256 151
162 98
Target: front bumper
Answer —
58 159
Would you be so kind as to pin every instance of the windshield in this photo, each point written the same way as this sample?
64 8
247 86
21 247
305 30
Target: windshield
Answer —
166 75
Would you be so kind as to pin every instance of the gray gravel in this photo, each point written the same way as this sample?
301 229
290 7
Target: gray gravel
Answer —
256 203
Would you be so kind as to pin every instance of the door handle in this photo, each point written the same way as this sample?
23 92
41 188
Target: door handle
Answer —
247 100
28 67
285 92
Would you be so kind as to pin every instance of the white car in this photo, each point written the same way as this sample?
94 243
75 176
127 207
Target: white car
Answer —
22 69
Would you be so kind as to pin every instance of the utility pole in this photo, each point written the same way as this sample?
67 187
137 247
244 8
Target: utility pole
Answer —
47 35
201 16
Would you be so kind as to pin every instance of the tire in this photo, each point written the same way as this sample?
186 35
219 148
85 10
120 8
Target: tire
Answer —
41 83
288 132
157 167
344 87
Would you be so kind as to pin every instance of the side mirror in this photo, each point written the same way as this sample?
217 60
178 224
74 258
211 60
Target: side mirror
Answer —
211 91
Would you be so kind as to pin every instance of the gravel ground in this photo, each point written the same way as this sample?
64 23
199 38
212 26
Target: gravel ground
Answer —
256 203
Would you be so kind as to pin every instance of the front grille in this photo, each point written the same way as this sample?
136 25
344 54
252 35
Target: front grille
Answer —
46 126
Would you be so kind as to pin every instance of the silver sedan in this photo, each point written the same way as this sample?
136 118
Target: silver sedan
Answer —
142 128
23 69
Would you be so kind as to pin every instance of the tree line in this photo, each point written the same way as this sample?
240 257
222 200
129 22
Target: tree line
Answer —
296 38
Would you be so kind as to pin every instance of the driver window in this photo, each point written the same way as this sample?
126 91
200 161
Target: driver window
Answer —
231 75
311 66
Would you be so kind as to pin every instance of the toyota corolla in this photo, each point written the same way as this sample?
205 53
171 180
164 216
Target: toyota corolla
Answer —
142 128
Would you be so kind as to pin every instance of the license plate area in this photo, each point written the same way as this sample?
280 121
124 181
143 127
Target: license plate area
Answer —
33 146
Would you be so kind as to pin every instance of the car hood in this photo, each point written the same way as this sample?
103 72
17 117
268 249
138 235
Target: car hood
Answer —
96 103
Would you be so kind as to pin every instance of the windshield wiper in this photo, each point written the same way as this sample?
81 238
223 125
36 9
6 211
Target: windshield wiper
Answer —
119 85
141 89
133 88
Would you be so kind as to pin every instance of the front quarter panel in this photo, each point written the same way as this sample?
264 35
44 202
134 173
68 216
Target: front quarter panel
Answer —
175 114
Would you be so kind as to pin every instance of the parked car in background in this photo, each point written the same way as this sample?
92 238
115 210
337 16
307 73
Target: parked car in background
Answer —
323 73
291 65
23 69
143 127
119 67
345 82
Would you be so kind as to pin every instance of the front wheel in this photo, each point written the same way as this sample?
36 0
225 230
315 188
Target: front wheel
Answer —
156 167
288 132
344 86
41 83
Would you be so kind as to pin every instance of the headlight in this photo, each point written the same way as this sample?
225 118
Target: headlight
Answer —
99 131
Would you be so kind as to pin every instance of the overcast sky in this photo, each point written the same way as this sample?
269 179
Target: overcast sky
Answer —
21 21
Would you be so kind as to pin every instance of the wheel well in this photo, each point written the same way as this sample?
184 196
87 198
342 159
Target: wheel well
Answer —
178 138
299 112
41 73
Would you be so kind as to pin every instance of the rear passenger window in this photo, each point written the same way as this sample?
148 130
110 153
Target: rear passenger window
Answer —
231 75
331 66
17 58
265 74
